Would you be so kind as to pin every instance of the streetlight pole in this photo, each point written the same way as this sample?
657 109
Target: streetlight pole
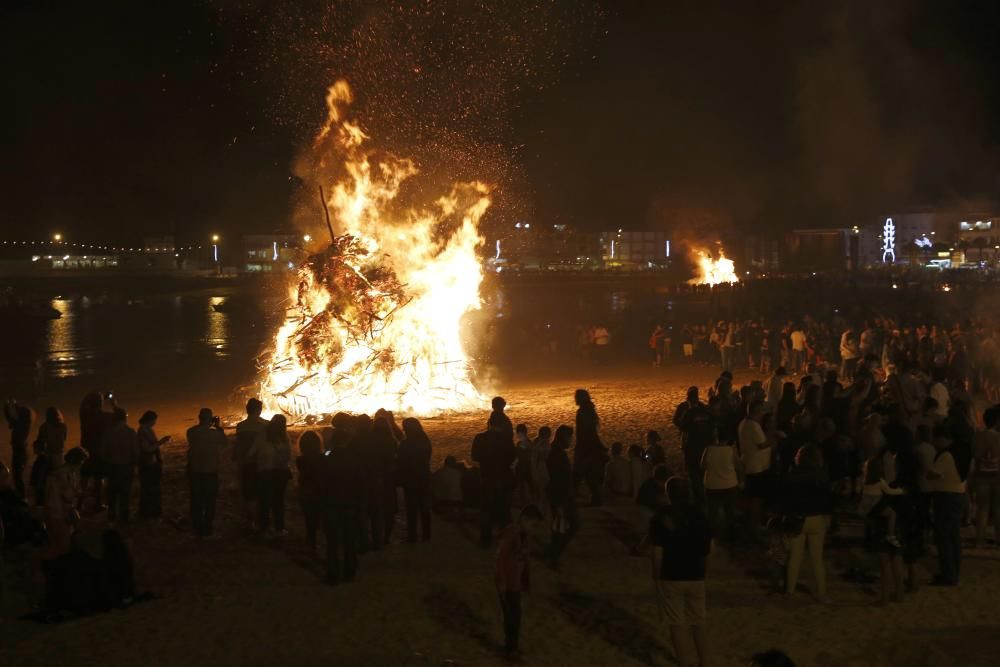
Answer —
215 254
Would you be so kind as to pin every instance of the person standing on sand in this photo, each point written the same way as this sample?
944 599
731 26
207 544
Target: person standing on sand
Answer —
589 456
697 426
246 433
681 542
150 467
494 451
206 441
342 489
561 495
310 464
120 448
805 492
415 478
19 421
272 453
512 576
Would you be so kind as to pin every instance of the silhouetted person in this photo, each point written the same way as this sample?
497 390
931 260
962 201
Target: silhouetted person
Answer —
561 495
120 449
206 442
150 467
499 418
652 494
94 421
415 478
682 540
512 576
589 456
494 451
342 488
310 465
369 503
697 426
19 421
246 434
272 454
52 434
379 459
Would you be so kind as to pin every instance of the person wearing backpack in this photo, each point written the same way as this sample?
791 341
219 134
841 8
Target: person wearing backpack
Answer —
986 475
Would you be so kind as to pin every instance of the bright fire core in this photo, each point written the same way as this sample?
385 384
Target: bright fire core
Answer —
713 271
374 320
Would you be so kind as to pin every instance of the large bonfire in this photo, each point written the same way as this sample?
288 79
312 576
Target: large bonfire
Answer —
712 271
374 319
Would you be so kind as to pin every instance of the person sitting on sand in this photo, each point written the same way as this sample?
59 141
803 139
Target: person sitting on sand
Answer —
651 494
618 472
681 542
446 483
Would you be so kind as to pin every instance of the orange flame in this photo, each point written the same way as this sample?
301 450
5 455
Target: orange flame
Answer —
414 361
713 271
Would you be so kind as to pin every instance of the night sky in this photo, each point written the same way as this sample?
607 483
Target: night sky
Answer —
124 119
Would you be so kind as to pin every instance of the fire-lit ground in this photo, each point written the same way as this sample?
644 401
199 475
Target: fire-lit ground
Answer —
239 601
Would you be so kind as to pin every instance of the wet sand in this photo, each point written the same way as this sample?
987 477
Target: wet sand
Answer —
240 601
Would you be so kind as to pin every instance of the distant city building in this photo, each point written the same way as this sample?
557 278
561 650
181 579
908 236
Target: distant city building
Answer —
271 252
630 249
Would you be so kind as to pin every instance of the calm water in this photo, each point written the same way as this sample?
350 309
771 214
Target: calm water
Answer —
202 342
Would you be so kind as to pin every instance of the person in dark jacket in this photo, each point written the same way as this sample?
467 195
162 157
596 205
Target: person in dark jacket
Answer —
310 466
369 503
494 451
498 418
120 450
805 493
19 421
381 472
697 426
682 540
150 467
342 489
561 495
590 455
415 478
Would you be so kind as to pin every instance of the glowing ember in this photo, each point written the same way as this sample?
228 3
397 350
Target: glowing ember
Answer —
713 271
375 318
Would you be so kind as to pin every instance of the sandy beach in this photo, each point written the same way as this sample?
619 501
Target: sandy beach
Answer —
241 601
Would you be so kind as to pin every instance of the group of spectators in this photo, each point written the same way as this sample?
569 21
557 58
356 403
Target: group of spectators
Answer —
968 352
774 459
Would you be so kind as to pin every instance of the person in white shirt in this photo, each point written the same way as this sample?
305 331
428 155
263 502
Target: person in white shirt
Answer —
723 471
755 455
775 383
948 474
939 392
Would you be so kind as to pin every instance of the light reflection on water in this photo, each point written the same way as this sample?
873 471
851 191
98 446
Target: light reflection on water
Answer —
65 356
217 327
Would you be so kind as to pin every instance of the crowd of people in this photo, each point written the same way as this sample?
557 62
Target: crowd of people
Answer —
967 353
773 462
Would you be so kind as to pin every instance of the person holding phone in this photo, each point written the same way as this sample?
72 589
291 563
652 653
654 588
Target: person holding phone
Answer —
150 467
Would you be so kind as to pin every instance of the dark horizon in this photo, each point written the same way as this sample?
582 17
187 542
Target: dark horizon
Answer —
187 118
